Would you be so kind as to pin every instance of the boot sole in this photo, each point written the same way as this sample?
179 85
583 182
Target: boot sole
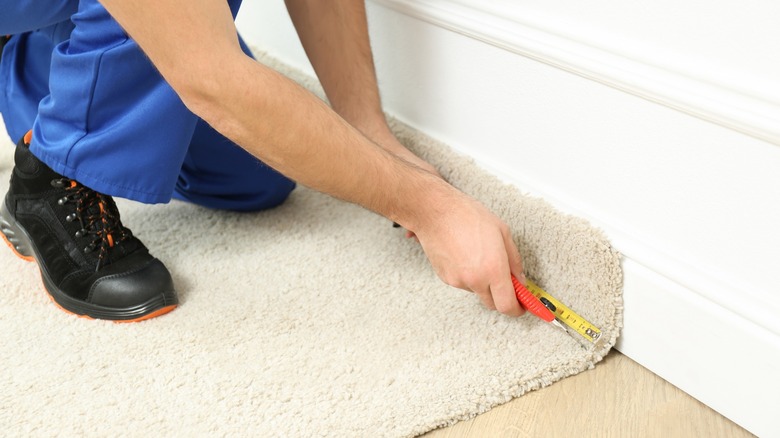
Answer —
20 243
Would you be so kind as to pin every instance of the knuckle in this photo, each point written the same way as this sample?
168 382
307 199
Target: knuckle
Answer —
487 302
451 280
503 307
448 280
507 309
468 278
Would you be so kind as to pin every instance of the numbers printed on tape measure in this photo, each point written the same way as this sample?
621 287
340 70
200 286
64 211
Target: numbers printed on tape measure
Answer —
565 315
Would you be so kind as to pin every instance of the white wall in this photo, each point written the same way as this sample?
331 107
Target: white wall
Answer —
660 124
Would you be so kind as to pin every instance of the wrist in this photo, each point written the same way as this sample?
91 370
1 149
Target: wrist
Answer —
429 200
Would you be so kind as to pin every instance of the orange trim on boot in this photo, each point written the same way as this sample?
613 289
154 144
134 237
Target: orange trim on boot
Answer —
154 314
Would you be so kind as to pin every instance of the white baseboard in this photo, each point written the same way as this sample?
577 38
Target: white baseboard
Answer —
723 360
520 31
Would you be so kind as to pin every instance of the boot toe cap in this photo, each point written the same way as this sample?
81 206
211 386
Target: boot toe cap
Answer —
151 283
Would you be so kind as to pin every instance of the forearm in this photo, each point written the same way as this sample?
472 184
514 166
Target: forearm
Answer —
335 38
297 134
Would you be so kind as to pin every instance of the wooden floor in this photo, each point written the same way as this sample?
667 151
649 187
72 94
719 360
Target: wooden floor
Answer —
619 398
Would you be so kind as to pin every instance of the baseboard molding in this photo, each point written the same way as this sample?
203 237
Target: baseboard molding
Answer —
682 90
718 357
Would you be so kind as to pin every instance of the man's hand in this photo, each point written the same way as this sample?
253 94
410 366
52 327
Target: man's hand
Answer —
472 249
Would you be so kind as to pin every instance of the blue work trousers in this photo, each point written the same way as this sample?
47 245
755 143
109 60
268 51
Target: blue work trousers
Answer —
101 113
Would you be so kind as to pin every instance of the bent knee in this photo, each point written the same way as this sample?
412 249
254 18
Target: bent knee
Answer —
266 197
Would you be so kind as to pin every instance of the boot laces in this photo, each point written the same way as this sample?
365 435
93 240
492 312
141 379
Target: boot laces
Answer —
98 216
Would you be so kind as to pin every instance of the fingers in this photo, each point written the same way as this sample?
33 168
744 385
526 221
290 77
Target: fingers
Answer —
409 234
486 297
515 261
500 294
501 288
504 296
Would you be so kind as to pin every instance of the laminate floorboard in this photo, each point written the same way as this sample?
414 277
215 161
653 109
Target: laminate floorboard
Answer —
618 398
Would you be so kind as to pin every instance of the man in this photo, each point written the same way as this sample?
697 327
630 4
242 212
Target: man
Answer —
106 123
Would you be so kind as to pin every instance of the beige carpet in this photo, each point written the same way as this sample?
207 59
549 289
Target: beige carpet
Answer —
314 319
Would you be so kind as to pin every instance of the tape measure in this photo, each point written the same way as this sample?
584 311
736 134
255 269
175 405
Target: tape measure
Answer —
566 316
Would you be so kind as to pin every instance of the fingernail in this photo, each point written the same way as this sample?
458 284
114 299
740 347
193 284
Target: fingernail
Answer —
522 279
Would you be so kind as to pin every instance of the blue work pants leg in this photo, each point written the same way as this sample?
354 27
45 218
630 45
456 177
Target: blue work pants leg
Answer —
102 114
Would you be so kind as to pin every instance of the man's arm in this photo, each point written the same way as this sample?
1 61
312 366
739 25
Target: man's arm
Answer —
335 38
194 45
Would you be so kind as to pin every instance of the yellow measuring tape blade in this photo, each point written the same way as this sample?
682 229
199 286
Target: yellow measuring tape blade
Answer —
565 315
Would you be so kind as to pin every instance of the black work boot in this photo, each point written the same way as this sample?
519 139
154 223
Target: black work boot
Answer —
91 265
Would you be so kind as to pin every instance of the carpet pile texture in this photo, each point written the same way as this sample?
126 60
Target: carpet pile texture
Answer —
316 318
